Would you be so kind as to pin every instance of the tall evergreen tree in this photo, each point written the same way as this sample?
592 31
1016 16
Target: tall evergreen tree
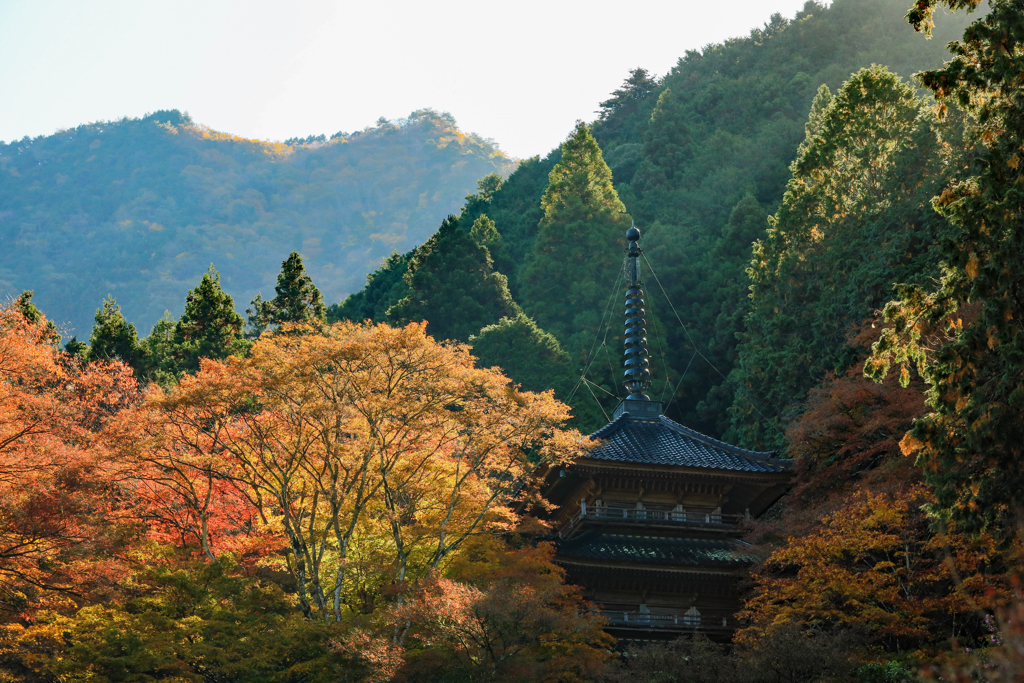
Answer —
576 256
453 286
298 300
526 353
856 217
617 115
210 326
34 315
637 86
77 349
158 350
724 298
484 232
514 206
667 152
966 337
113 337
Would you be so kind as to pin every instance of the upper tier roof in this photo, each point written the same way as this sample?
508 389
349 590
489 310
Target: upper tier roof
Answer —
660 441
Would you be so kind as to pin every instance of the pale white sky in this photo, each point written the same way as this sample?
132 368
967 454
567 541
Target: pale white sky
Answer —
518 72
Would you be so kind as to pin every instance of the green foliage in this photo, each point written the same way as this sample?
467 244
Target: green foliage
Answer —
529 355
33 315
535 360
139 207
28 309
721 126
856 217
889 672
77 349
485 233
514 206
297 301
113 337
486 187
210 327
729 252
158 350
701 156
578 249
453 286
623 108
199 623
667 153
384 288
964 336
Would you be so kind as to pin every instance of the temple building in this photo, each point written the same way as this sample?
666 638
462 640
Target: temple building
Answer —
649 521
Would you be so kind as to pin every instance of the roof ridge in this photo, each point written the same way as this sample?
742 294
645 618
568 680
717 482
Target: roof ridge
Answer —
607 428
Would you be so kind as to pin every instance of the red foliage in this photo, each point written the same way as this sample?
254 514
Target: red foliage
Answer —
59 512
178 479
850 426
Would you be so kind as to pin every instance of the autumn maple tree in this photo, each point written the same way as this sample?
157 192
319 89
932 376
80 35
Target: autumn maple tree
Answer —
501 614
60 515
361 446
874 563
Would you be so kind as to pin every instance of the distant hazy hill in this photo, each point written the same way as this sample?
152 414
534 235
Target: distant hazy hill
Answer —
139 208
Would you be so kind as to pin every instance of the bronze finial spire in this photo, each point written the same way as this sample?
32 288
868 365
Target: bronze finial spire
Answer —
638 376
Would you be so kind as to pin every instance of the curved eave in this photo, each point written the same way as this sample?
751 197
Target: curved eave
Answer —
659 441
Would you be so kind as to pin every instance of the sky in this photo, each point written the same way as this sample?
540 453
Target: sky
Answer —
520 73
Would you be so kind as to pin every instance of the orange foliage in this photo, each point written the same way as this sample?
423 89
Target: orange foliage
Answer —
59 508
852 546
357 446
505 616
874 563
334 453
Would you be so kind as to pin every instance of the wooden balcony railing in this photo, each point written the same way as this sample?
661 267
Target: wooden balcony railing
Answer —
716 620
676 518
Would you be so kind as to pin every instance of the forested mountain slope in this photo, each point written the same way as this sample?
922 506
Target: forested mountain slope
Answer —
703 157
700 158
139 208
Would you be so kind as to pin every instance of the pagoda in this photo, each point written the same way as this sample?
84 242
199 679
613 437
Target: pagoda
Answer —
648 522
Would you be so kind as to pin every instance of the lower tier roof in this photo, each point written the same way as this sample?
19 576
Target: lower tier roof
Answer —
655 550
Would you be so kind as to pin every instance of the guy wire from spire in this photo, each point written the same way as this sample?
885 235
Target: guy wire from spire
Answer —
605 321
697 351
637 374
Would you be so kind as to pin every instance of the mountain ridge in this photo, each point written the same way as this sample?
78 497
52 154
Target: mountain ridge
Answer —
158 198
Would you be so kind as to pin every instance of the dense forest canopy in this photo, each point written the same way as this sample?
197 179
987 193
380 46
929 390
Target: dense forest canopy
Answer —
139 208
699 159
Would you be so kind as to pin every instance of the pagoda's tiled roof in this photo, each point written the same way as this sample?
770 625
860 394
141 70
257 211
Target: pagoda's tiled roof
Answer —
656 550
660 441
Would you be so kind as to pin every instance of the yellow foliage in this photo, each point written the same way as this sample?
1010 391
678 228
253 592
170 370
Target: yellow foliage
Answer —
910 444
373 452
972 267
